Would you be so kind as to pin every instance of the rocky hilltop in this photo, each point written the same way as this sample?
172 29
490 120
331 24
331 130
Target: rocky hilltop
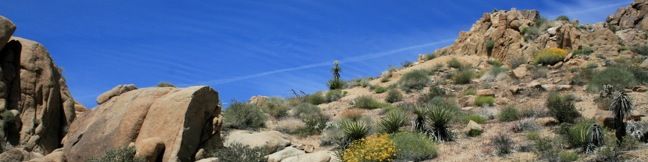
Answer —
515 87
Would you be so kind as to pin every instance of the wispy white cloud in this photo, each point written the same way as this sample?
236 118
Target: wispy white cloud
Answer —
587 11
359 58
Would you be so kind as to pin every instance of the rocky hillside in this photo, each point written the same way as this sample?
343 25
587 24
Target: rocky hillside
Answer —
515 87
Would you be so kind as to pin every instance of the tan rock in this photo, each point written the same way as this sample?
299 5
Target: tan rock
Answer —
267 139
149 149
7 29
116 91
320 156
472 125
181 118
259 100
520 72
209 160
630 17
485 92
285 153
55 156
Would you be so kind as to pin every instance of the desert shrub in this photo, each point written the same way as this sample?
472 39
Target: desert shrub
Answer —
568 156
414 80
440 116
406 64
367 102
393 121
290 125
372 148
353 130
165 84
489 44
495 70
393 96
380 90
577 135
243 116
485 101
414 146
358 83
352 114
539 72
313 118
494 62
585 51
474 117
434 92
473 133
549 56
123 154
509 113
615 76
455 63
562 18
336 82
640 49
517 60
334 95
276 107
562 108
315 98
530 33
503 144
463 76
547 148
237 152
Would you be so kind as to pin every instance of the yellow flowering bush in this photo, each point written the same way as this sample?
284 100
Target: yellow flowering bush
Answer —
550 56
373 148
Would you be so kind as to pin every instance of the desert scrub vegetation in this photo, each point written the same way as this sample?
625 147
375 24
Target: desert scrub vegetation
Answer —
489 44
434 92
561 107
123 154
367 102
530 33
393 121
334 95
525 125
503 144
275 107
463 76
352 131
509 113
243 116
379 90
583 51
455 63
585 134
394 96
517 60
438 117
165 84
485 101
414 81
549 56
562 18
472 117
315 98
373 148
313 118
237 152
336 82
413 146
616 76
640 49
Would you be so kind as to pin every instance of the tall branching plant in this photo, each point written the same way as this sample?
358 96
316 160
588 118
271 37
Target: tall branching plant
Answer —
336 82
621 107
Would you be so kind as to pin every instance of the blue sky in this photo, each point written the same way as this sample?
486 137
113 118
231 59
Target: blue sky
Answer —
243 47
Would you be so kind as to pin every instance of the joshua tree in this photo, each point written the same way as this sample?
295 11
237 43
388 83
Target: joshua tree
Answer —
621 107
595 138
336 82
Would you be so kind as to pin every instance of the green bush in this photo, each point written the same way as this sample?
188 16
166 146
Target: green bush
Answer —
615 76
562 18
455 63
380 90
578 134
525 125
530 33
367 102
313 118
508 114
334 95
585 51
336 82
562 108
237 152
474 133
463 76
517 60
485 101
640 49
503 144
393 121
413 147
414 80
434 92
550 56
243 116
490 44
165 84
394 96
440 117
353 130
123 154
316 98
495 70
568 156
276 107
474 117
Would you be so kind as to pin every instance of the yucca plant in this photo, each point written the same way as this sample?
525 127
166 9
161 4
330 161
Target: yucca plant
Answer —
621 107
336 82
596 138
439 118
419 121
393 121
353 130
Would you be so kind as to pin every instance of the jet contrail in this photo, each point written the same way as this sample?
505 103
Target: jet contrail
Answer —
327 63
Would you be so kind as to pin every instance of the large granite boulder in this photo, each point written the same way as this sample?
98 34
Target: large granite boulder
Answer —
7 29
630 17
181 119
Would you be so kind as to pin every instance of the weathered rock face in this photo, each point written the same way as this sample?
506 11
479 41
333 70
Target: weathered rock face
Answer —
181 119
630 17
32 85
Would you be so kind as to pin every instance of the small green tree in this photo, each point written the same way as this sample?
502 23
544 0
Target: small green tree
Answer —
336 82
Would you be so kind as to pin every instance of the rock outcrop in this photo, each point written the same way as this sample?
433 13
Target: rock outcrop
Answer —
631 17
180 119
32 85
